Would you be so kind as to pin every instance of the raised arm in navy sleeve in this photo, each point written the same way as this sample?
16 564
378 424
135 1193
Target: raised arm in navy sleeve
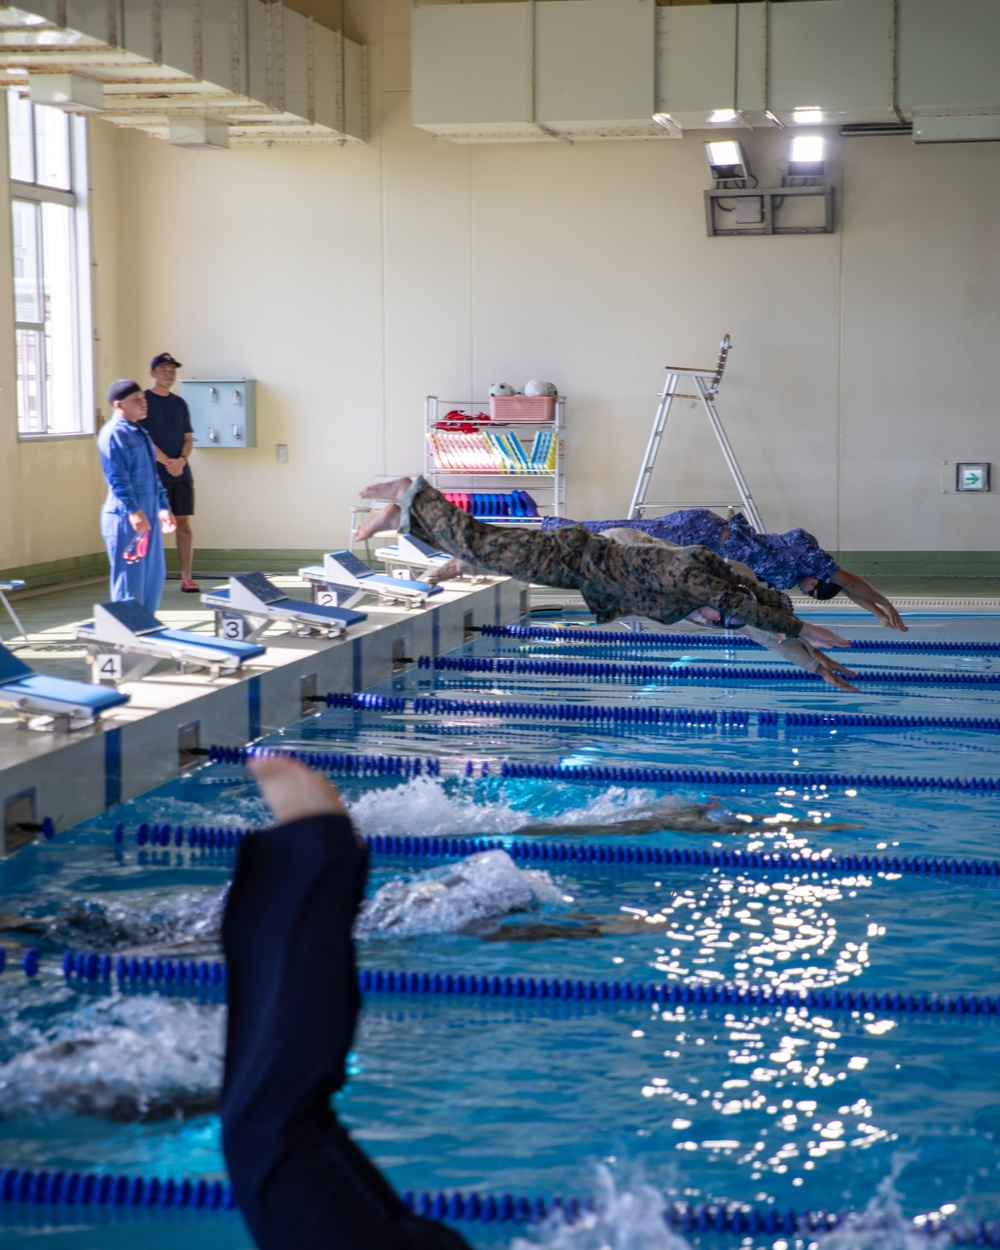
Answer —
299 1180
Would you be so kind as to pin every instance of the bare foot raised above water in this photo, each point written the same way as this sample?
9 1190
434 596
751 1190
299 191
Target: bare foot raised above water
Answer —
386 518
392 491
293 791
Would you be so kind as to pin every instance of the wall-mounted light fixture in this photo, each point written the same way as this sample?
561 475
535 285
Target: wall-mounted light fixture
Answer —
807 156
727 162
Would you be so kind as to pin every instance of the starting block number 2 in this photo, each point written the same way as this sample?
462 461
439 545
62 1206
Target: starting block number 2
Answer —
234 628
109 667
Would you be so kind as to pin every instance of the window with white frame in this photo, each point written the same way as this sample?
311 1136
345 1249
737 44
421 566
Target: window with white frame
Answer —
52 323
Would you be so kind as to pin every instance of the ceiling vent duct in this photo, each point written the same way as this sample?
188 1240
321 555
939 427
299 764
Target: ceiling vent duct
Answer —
202 134
544 70
957 128
68 92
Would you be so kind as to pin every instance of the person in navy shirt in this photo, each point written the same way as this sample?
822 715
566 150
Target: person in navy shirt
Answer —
136 499
169 426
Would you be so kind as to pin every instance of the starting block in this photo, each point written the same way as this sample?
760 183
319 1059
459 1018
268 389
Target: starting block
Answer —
51 702
125 641
5 588
412 556
252 603
343 580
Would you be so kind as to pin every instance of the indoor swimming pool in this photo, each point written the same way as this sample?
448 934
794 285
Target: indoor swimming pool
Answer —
766 1092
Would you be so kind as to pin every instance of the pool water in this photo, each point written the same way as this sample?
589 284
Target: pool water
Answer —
794 1107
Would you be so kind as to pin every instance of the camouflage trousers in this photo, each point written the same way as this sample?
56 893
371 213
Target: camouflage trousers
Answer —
665 584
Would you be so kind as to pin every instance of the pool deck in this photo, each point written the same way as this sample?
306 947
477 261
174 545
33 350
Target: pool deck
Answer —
71 777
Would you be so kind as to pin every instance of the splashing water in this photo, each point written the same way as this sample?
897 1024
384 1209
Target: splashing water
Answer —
456 898
427 807
100 924
626 1218
120 1058
882 1224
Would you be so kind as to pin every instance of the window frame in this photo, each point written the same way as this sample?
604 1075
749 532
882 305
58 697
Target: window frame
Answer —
77 198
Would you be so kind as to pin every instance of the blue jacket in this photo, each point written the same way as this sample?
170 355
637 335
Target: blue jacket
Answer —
129 463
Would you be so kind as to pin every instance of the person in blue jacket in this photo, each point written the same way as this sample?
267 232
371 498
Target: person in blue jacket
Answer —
136 513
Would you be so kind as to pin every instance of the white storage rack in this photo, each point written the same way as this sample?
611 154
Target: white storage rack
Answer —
547 488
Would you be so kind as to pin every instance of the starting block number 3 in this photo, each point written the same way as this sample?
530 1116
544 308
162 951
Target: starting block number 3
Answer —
108 667
234 628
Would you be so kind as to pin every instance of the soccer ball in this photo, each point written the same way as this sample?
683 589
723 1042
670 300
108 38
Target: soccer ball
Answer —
500 388
537 387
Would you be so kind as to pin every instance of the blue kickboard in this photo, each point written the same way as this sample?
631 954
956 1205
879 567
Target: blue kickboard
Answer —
245 650
97 698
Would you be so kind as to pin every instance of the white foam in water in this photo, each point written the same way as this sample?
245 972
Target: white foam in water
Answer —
626 1218
167 920
448 900
424 807
881 1225
121 1058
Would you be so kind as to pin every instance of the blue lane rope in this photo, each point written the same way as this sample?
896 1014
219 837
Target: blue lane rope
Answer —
334 761
741 777
109 1189
407 766
611 671
551 633
637 714
156 972
209 837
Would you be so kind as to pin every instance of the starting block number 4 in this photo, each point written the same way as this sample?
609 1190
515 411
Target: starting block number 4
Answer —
108 667
234 628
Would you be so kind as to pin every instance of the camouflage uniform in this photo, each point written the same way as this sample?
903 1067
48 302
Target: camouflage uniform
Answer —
615 580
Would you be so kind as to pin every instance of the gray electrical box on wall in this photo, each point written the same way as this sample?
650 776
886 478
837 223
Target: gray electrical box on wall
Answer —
223 411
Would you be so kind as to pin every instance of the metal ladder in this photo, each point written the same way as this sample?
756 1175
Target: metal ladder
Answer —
706 382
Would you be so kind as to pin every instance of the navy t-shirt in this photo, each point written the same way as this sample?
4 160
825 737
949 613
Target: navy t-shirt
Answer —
166 423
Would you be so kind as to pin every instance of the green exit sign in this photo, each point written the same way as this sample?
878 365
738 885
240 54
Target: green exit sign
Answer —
972 477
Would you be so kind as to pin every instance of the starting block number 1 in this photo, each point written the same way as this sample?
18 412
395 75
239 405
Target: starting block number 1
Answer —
234 628
109 667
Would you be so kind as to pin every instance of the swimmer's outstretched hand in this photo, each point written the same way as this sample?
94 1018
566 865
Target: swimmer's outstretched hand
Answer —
294 792
820 636
834 673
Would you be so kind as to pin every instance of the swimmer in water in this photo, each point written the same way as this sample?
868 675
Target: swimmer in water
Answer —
678 818
630 577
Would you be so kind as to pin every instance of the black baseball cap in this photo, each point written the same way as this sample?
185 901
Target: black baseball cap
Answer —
164 358
122 389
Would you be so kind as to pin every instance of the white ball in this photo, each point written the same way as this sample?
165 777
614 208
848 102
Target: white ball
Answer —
500 388
537 387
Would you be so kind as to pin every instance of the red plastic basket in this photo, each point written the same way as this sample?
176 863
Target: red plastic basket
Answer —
522 408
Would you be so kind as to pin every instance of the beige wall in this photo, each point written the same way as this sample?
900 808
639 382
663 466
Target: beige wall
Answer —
351 282
51 490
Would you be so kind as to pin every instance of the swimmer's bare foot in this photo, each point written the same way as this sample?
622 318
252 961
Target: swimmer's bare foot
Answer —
393 491
386 518
454 568
293 791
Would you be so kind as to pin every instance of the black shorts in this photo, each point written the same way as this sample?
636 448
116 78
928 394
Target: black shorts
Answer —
180 493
